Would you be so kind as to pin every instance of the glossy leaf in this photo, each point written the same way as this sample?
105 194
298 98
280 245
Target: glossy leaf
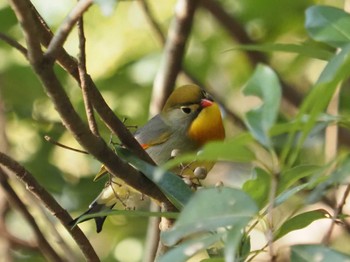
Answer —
170 184
328 24
210 209
307 253
301 221
264 84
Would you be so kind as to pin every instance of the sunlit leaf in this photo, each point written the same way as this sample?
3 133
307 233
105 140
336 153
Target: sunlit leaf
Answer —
307 253
264 84
170 184
301 49
210 209
328 24
300 221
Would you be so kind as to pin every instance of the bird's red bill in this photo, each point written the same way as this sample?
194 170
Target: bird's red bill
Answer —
206 103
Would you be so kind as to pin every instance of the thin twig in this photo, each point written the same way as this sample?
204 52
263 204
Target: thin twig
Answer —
63 31
174 51
337 211
46 249
13 43
83 76
52 141
152 21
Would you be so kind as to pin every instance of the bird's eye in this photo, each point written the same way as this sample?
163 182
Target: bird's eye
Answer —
186 109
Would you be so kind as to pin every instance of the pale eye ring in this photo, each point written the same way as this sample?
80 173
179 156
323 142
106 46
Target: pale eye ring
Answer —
186 109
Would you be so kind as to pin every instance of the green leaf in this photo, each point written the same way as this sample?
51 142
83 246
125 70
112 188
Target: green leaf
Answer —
328 24
210 209
285 195
307 253
189 248
264 84
300 221
302 49
170 184
234 149
233 240
316 102
339 176
258 187
337 68
291 176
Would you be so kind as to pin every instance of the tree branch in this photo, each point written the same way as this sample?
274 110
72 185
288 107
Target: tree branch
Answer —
173 54
156 28
154 24
43 245
13 43
63 31
83 76
337 211
50 203
107 115
94 145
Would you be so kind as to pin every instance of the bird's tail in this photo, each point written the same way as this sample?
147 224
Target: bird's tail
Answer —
115 191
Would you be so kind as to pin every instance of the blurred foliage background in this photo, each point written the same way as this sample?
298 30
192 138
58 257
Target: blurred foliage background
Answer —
123 56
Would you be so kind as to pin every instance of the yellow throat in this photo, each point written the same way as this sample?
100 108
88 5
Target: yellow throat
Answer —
207 126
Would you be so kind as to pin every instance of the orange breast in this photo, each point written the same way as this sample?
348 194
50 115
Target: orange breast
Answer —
208 126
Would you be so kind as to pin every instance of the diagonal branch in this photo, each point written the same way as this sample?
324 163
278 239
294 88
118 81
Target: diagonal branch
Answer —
50 203
94 145
63 31
71 66
13 43
11 195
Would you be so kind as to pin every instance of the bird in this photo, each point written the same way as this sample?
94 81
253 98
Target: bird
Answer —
189 119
